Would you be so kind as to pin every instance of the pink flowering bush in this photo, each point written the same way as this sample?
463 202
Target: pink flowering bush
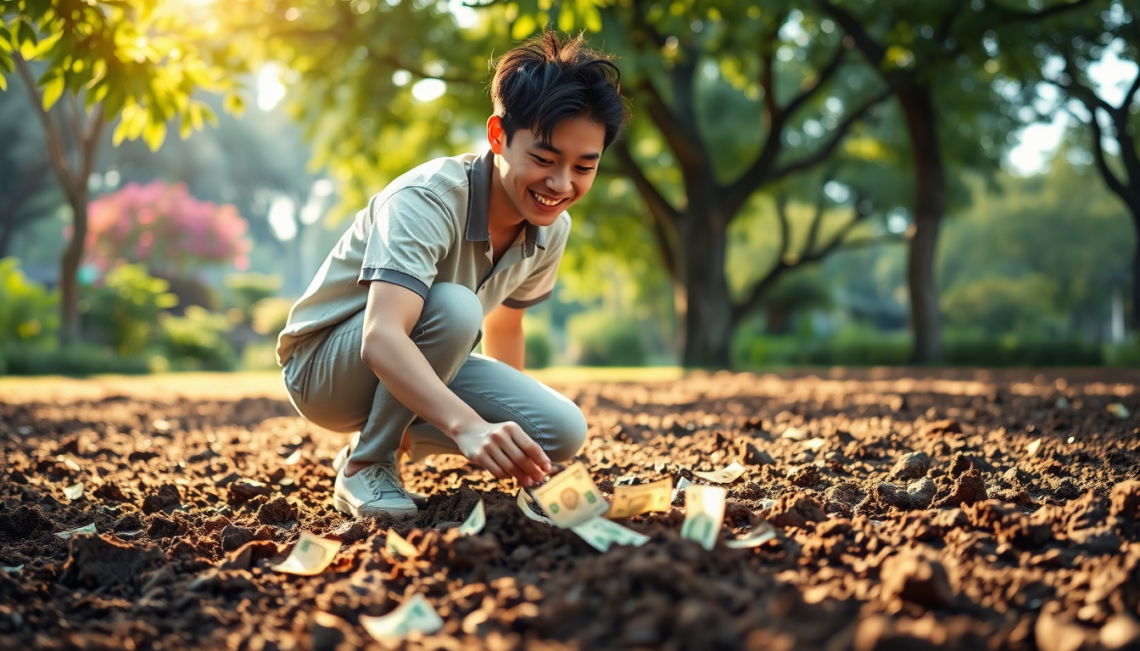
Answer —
163 226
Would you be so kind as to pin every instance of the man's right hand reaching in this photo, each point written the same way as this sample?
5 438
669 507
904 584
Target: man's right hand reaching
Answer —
505 450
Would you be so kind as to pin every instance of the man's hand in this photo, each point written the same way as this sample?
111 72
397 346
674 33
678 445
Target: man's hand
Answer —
505 450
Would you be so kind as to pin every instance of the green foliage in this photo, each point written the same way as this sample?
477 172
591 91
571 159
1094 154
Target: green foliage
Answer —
1019 350
29 313
197 340
1123 354
126 307
1042 249
78 360
601 339
539 343
247 289
861 346
140 61
269 315
1002 304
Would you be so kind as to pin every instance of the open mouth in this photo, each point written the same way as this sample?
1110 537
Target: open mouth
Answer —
546 201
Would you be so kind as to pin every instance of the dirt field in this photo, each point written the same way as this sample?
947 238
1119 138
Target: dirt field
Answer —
915 509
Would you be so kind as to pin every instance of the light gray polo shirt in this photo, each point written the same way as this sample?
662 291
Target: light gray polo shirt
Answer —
429 225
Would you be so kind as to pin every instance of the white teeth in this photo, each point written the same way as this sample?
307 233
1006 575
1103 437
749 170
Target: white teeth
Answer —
544 201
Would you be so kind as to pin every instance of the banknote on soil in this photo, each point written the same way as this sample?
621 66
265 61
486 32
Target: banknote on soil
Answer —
310 556
526 503
723 476
415 614
681 486
475 521
71 532
704 513
754 538
395 544
74 492
634 500
601 533
571 497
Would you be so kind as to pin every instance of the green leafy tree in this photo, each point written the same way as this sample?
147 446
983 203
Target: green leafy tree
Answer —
1097 30
89 64
732 102
920 49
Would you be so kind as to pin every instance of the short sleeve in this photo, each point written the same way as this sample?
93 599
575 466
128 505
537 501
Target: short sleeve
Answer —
411 232
539 285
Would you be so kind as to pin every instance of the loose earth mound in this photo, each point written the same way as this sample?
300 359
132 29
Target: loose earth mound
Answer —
914 510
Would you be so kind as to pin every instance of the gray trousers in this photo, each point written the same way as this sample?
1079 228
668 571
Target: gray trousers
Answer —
330 385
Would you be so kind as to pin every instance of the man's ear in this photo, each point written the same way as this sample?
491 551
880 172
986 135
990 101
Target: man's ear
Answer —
495 134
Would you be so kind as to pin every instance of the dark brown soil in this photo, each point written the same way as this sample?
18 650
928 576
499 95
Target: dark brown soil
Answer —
919 519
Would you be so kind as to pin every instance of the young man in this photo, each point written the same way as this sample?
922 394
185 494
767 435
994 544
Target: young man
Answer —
451 253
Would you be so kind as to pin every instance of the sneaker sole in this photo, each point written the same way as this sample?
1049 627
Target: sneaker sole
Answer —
343 506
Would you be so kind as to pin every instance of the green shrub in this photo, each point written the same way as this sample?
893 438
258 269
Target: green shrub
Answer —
269 316
602 339
125 308
197 340
248 289
1002 303
29 313
78 360
539 343
1124 354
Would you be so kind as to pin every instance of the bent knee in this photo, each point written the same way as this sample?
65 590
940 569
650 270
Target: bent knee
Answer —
455 309
568 436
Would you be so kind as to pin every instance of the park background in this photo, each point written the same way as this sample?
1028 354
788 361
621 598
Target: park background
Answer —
803 183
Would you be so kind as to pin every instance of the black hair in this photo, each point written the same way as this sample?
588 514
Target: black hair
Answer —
549 79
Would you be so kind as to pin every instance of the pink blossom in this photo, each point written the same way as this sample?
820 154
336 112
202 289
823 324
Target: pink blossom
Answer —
163 225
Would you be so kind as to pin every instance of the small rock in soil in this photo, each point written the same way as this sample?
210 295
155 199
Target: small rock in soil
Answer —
911 466
246 489
970 487
167 496
234 536
276 511
917 579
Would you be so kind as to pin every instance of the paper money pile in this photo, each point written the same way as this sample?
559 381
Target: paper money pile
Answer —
573 501
571 497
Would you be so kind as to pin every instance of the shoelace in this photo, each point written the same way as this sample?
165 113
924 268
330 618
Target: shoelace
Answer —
382 478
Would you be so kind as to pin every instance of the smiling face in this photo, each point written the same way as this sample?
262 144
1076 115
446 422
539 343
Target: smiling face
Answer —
536 181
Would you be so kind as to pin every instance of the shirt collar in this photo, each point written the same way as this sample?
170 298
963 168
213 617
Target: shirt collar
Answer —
479 202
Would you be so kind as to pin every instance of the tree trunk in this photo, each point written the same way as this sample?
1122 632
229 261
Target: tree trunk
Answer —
930 204
6 234
1135 325
69 272
708 313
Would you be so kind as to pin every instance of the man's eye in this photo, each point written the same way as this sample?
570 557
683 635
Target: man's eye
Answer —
585 169
540 159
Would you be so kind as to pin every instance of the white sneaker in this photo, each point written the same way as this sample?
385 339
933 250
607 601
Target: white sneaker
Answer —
342 459
373 490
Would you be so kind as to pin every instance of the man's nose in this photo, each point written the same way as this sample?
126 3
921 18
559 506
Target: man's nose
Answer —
558 182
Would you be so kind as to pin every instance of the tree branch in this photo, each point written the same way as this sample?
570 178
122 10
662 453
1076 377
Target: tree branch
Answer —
871 49
837 136
664 216
1015 15
56 153
824 74
687 152
817 219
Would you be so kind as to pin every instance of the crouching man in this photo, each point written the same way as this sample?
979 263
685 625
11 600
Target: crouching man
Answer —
450 254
